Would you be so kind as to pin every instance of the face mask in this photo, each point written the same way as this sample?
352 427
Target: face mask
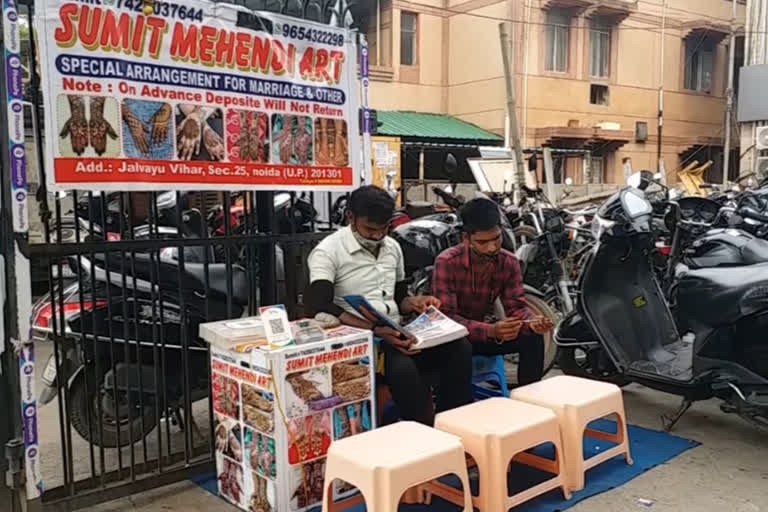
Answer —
367 244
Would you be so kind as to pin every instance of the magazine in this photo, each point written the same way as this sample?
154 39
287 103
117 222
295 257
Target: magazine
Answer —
430 328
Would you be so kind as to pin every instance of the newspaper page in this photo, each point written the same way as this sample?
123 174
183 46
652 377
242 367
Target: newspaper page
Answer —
433 328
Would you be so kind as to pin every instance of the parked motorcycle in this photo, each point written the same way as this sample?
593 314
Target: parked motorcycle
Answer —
130 344
117 325
625 331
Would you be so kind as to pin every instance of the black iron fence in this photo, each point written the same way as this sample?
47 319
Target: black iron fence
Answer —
121 283
128 376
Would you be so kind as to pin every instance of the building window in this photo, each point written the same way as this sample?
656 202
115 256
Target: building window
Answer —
598 94
594 169
699 56
558 28
599 48
408 38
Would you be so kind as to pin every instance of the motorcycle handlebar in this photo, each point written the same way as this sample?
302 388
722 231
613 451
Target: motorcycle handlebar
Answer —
750 213
449 199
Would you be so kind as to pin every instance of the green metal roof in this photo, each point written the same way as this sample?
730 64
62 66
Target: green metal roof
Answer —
432 126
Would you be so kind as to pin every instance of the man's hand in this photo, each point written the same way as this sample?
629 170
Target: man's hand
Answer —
213 142
419 304
392 337
76 126
138 129
507 329
98 127
188 135
161 122
355 321
369 315
541 324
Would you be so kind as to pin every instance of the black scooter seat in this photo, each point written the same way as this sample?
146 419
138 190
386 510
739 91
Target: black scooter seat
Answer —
166 274
217 279
727 248
729 292
418 209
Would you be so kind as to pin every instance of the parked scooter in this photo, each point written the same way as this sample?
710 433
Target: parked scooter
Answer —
626 332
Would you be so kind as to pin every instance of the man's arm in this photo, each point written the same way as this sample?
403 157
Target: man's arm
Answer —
320 294
513 293
406 302
444 288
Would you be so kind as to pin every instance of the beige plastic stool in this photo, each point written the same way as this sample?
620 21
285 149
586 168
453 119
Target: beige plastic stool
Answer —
386 462
495 432
576 402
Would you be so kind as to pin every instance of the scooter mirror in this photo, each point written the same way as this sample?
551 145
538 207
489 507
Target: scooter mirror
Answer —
635 180
451 167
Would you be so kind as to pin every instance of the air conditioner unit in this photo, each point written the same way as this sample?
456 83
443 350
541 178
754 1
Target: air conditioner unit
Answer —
761 137
762 166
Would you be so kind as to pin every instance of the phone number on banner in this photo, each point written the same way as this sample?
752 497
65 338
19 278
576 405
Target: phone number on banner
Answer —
165 9
97 170
312 35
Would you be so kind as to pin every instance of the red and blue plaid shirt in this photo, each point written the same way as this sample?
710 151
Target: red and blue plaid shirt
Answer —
467 295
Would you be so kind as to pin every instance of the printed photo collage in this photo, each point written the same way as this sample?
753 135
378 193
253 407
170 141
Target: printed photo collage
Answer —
324 403
97 126
244 426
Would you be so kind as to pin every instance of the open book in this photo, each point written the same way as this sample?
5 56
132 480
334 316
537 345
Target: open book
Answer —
430 328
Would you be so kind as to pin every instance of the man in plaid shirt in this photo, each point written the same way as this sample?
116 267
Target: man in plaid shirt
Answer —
469 277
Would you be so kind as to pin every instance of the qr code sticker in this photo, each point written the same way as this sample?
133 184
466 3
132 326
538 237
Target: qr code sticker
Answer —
276 325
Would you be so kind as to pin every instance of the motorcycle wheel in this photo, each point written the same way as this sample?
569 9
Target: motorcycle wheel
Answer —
575 361
539 307
524 235
85 411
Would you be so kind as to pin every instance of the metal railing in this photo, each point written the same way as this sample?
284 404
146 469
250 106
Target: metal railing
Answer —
125 283
133 408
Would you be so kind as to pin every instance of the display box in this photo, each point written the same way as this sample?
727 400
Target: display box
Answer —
276 412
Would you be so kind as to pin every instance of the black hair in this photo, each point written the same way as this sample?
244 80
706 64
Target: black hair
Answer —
373 203
480 215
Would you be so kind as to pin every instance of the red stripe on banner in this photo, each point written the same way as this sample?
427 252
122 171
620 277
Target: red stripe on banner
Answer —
109 170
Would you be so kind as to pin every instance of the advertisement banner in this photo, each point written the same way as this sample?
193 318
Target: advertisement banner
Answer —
196 95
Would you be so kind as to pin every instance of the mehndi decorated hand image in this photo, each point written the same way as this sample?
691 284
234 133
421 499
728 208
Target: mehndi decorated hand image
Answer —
99 127
76 127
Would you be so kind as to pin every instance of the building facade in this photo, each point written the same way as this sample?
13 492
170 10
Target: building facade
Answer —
586 74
